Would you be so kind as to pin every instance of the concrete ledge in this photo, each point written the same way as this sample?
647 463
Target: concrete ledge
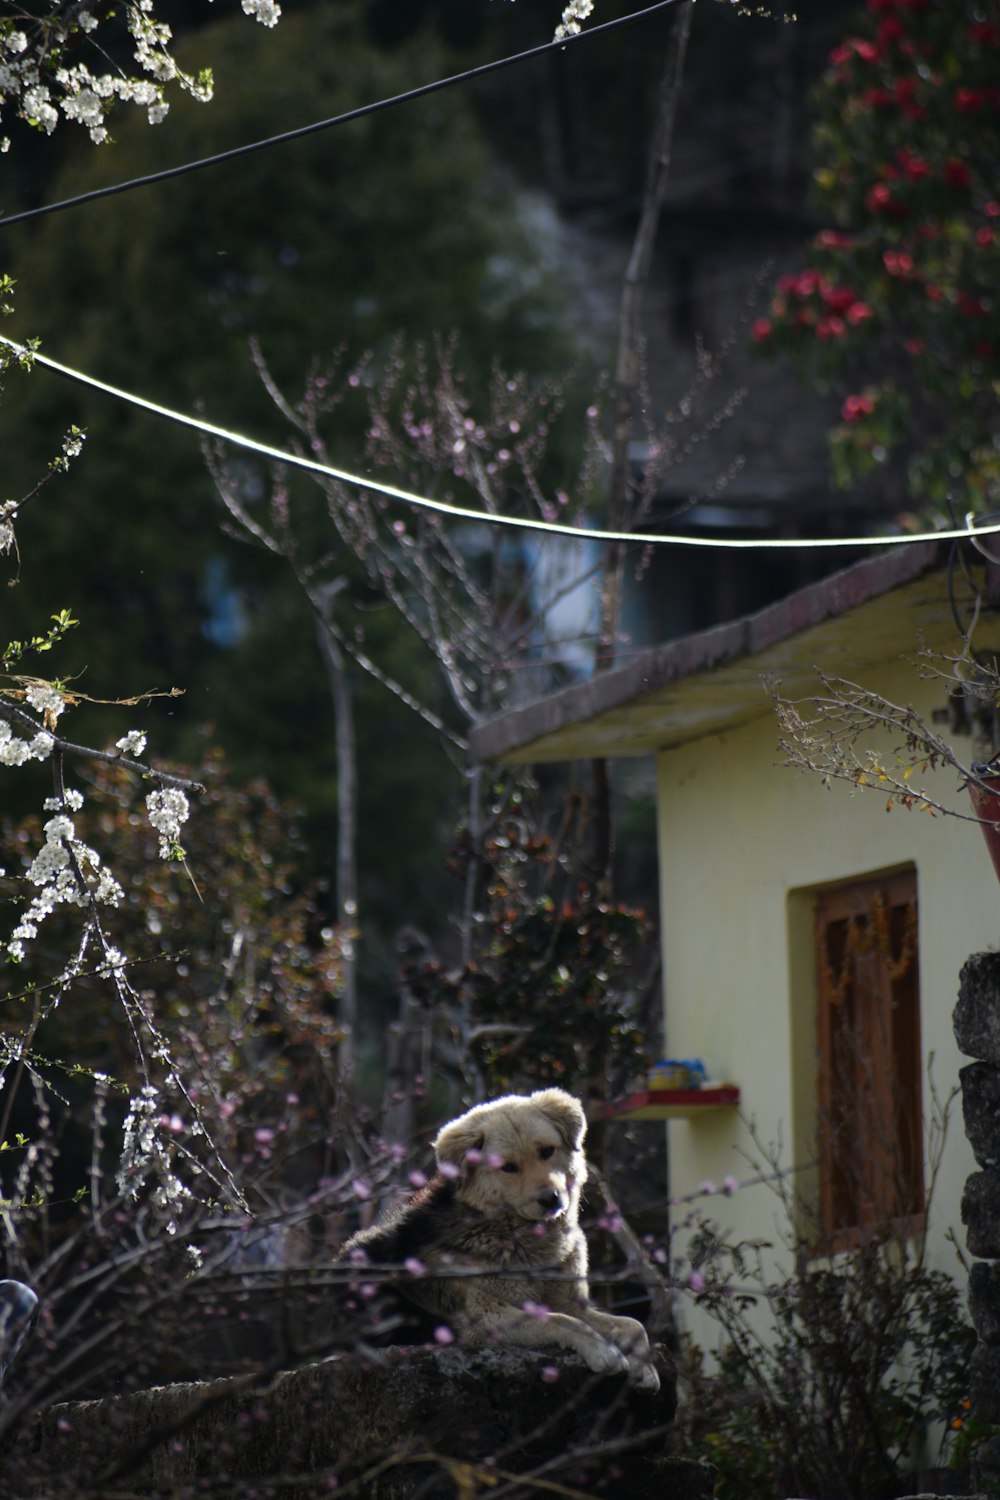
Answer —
399 1423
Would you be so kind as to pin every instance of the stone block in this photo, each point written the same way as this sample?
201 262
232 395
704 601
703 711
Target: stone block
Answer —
981 1110
986 1467
984 1383
976 1017
405 1422
981 1213
984 1300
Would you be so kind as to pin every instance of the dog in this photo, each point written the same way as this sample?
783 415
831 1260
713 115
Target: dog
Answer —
492 1245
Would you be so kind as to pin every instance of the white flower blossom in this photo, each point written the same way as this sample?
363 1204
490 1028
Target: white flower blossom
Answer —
574 13
264 11
15 751
168 809
42 81
133 743
45 699
71 798
59 882
146 1156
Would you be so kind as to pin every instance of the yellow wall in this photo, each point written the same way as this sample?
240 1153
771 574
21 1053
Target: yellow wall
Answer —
739 833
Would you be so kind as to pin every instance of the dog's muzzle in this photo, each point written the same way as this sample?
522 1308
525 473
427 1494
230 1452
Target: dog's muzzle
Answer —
551 1204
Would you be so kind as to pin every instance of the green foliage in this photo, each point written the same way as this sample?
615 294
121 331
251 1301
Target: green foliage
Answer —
546 992
828 1376
236 964
13 651
393 223
897 308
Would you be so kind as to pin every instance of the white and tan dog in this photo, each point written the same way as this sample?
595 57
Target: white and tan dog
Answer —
495 1239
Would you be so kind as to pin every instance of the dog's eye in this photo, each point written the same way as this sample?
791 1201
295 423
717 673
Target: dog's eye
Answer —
509 1166
546 1151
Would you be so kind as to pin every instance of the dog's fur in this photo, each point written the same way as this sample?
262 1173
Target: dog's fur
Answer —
499 1225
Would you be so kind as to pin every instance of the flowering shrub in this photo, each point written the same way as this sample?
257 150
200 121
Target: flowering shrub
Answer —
545 992
836 1366
241 982
41 83
897 306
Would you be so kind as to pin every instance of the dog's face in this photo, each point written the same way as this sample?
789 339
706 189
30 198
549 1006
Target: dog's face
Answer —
520 1155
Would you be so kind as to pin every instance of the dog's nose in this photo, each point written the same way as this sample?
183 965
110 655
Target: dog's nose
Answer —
549 1202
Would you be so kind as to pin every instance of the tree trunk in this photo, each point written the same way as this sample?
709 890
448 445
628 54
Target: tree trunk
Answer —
347 813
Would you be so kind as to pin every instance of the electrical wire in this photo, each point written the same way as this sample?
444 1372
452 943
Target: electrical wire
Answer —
420 92
485 517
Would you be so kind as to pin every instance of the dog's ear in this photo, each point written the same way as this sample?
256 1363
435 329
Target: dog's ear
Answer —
462 1135
566 1114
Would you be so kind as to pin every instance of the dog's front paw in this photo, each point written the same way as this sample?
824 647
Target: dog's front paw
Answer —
642 1374
605 1359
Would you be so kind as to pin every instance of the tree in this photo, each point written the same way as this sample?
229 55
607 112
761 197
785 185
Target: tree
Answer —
359 224
897 309
49 55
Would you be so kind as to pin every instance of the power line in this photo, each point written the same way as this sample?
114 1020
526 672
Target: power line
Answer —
420 92
489 518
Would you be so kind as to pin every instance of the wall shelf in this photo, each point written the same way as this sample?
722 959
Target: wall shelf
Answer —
673 1104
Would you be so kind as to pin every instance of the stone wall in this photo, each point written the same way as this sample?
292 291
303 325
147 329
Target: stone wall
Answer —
402 1423
977 1031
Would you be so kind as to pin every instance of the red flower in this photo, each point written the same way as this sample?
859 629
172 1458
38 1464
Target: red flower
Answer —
933 292
856 46
830 328
803 284
856 407
955 173
983 349
913 346
970 307
838 298
898 262
762 330
858 312
832 239
992 209
985 34
877 98
890 30
984 237
969 101
916 168
905 90
878 198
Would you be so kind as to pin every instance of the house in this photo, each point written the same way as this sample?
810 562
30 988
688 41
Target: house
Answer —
812 940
